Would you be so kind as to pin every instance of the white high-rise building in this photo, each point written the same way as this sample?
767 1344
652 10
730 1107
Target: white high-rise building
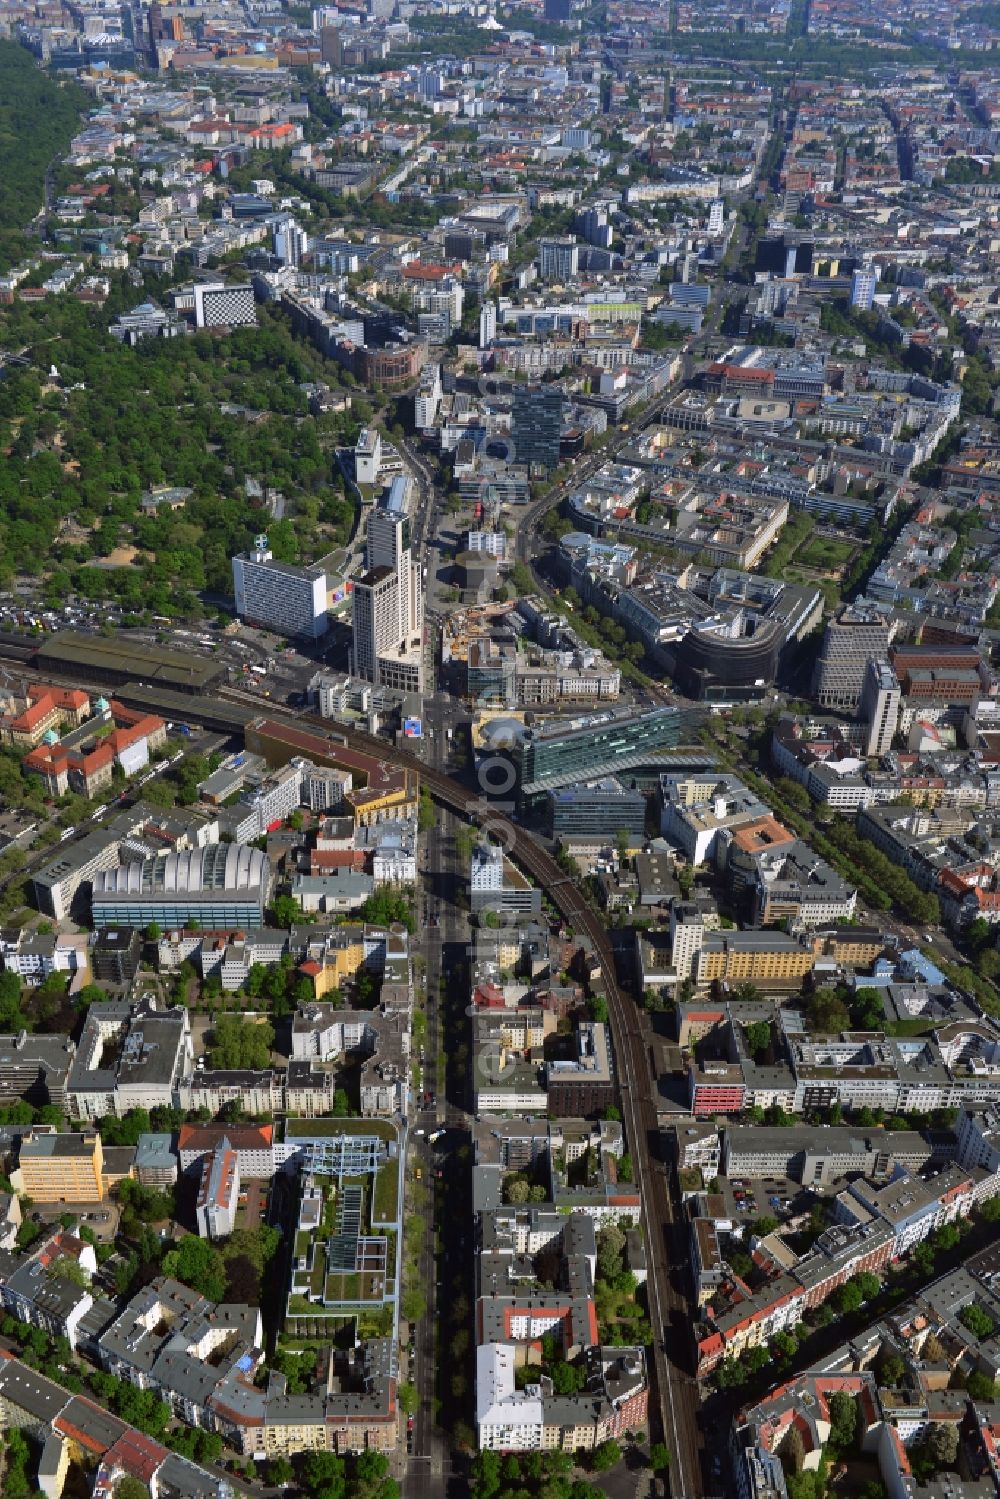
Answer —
717 217
428 397
368 456
486 876
880 699
291 242
863 284
687 936
487 324
278 596
388 600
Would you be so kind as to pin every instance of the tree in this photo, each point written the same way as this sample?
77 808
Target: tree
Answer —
843 1420
516 1189
567 1379
980 1386
323 1474
90 994
933 1350
386 907
610 1251
197 1264
867 1011
484 1475
947 1236
977 1320
890 1370
757 1036
941 1443
147 1204
765 1225
848 1297
659 1457
625 1168
239 1044
370 1477
922 1259
408 1399
804 1485
125 1131
730 1374
285 911
606 1456
868 1284
153 931
130 1487
12 1018
414 1305
67 1268
826 1013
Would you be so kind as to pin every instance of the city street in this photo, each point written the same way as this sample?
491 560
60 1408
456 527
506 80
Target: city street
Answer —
443 936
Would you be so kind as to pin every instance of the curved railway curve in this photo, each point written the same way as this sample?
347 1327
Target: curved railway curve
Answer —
675 1400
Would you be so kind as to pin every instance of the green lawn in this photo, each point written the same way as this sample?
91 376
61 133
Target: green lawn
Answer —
824 554
310 1129
386 1193
913 1025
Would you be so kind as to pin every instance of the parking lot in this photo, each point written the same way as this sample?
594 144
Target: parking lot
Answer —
102 1220
748 1198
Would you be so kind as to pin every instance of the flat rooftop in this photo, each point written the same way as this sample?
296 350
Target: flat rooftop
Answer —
125 659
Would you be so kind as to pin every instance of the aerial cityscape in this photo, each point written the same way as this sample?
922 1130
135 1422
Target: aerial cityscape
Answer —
500 749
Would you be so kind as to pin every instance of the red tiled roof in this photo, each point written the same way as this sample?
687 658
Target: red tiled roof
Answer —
137 1454
241 1137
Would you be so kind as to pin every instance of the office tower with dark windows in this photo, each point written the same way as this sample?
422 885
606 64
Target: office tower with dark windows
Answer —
537 421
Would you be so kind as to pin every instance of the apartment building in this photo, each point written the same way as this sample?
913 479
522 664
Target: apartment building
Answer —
252 1144
698 809
496 885
754 956
819 1157
61 1168
218 1193
34 1069
794 885
584 1086
879 707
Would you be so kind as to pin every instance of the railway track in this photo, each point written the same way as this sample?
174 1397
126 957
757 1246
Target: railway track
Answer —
674 1385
